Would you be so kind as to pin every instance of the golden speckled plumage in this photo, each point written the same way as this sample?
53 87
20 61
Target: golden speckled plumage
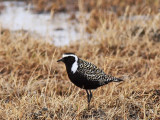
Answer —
93 73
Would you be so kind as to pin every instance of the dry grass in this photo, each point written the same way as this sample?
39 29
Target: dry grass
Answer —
104 9
34 86
117 6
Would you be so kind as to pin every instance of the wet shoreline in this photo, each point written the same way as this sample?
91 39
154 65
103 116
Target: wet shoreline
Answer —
58 28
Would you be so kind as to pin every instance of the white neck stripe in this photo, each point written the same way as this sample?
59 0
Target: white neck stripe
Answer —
65 55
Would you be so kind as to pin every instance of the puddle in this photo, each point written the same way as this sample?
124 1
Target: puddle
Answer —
58 29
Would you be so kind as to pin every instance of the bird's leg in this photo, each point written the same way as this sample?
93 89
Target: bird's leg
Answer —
88 97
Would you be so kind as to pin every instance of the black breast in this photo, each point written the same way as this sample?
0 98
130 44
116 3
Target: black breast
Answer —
85 76
82 82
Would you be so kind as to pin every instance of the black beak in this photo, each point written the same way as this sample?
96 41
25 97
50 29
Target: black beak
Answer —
60 60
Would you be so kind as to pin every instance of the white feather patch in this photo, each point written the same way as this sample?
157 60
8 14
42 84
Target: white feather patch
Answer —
75 64
74 67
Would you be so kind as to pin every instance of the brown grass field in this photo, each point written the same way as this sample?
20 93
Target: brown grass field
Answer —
34 86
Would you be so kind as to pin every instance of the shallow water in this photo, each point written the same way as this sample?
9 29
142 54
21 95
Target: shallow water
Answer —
58 29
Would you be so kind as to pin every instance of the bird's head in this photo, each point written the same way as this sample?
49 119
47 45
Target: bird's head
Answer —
68 58
71 61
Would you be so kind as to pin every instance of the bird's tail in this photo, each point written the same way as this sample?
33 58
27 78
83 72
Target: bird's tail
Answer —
117 80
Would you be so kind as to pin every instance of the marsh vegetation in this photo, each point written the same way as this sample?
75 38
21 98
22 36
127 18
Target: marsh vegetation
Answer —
34 86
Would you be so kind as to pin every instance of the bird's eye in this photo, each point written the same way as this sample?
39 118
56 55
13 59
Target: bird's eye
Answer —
72 59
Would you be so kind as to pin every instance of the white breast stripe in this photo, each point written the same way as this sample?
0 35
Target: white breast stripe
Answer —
75 64
74 67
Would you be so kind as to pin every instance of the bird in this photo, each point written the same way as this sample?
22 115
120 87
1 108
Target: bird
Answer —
85 75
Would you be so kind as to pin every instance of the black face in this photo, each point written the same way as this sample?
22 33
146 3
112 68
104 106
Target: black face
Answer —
67 60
